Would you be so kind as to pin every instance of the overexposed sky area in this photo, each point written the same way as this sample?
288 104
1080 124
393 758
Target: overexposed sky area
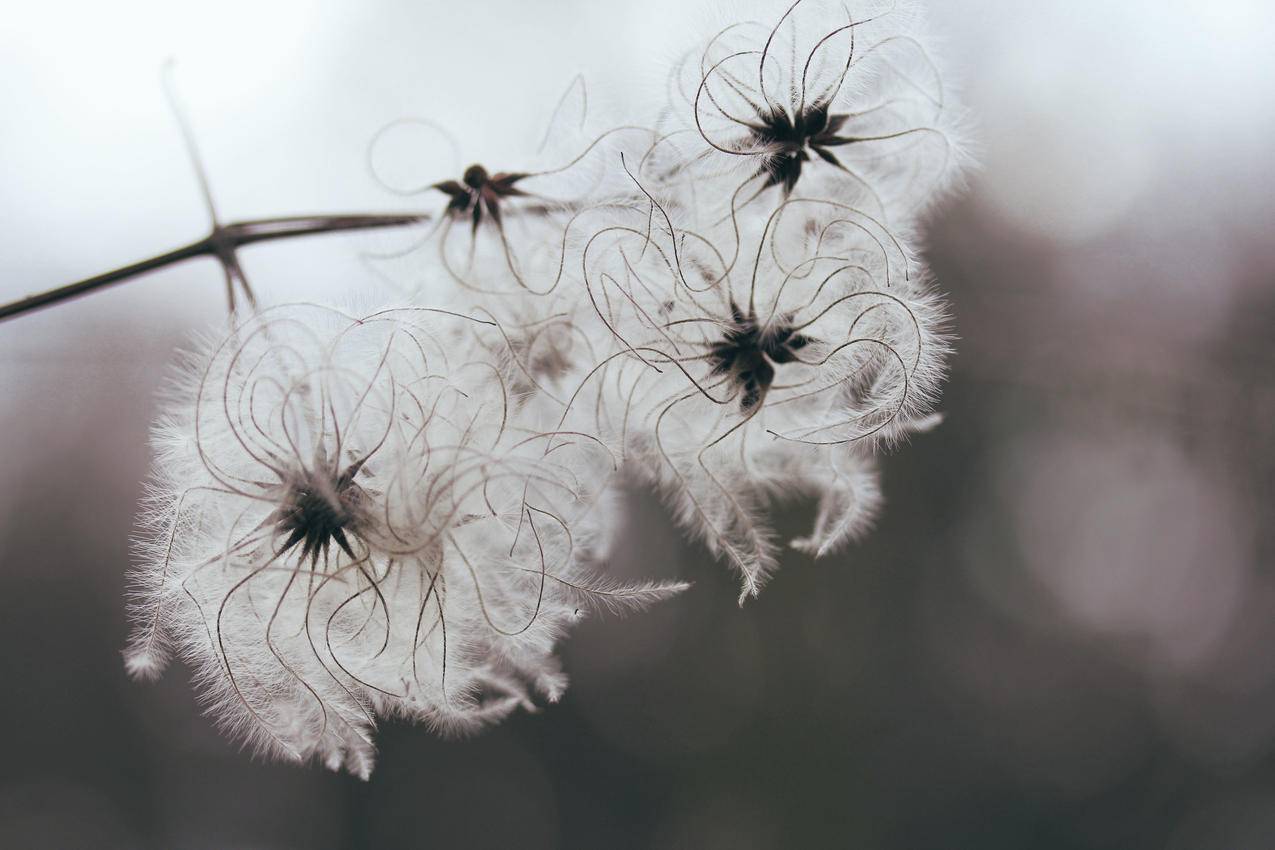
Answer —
1082 109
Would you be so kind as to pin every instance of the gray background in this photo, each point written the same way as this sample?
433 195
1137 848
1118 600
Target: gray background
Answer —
1060 635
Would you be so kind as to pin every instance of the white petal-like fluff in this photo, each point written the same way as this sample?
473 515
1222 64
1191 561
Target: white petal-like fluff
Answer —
777 363
353 517
508 230
821 98
394 514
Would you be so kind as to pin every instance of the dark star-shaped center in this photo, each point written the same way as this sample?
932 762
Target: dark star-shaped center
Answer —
319 506
747 352
789 139
480 194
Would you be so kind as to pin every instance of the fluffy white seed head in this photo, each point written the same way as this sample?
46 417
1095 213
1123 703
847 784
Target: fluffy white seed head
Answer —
352 518
399 513
811 327
819 98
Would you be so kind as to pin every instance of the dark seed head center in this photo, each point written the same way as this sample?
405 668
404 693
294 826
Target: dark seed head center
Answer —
789 139
320 506
475 176
748 353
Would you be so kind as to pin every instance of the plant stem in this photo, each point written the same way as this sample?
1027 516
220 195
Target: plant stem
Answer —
221 243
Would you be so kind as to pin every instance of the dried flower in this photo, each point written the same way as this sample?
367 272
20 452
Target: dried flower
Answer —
507 232
350 518
731 381
399 514
834 100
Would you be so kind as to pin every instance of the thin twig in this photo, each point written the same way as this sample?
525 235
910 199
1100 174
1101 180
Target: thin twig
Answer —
223 240
221 244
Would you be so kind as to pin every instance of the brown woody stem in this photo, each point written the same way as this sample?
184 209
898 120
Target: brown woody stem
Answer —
220 244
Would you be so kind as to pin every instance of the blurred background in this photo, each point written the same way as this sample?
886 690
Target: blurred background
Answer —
1060 635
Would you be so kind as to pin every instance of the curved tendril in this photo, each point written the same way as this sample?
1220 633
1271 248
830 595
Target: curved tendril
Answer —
718 540
699 125
400 122
761 64
576 82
